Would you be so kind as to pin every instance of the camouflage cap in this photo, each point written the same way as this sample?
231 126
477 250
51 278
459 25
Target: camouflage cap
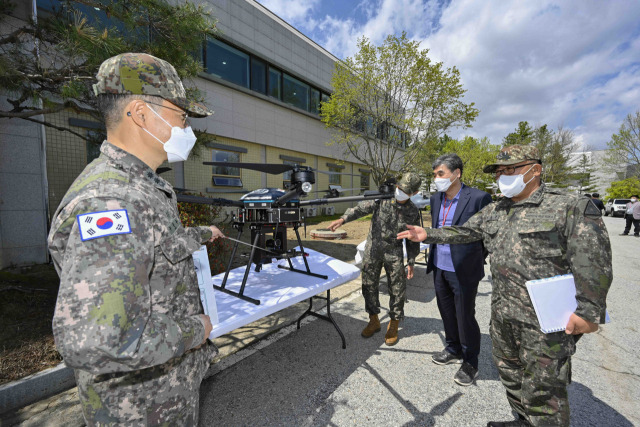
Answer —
409 183
512 154
143 74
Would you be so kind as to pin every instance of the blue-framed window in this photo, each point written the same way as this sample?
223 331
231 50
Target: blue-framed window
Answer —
226 176
227 62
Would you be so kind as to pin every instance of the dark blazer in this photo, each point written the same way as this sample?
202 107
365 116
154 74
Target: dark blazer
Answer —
468 259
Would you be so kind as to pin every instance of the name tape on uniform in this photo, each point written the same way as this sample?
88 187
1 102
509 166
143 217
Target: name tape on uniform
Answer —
106 223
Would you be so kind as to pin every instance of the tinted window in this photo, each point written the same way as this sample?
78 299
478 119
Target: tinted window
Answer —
622 201
227 63
258 76
295 93
314 103
274 83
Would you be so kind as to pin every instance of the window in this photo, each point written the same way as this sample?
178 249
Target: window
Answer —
314 103
258 76
275 80
286 176
224 175
335 178
365 180
295 93
227 62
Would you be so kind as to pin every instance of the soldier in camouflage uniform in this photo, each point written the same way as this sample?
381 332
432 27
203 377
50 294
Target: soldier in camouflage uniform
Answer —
535 232
383 250
128 317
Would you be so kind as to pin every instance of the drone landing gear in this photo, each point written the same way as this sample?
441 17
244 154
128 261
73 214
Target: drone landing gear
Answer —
256 240
304 258
239 294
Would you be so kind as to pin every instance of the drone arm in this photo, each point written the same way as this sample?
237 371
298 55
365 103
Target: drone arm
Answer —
208 201
295 192
346 199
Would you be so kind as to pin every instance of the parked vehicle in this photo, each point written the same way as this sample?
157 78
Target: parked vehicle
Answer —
616 207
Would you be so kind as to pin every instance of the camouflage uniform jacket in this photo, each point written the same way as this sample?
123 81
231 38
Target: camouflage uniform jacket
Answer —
126 301
547 234
389 218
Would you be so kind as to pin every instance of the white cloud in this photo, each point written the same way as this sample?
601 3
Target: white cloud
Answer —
295 12
574 62
544 62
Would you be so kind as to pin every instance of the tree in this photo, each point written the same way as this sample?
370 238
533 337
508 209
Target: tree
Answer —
554 148
391 101
522 136
583 175
49 64
623 189
475 154
624 146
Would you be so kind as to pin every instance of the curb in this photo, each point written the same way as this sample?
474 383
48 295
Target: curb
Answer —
36 387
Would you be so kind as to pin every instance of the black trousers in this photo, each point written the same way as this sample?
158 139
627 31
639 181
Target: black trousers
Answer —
636 225
457 305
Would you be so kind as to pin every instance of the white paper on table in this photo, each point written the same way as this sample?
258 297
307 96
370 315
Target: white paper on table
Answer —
205 283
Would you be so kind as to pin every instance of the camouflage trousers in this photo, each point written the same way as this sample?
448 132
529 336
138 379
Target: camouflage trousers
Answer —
167 394
535 368
396 279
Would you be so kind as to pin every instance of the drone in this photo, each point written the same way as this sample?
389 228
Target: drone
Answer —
268 212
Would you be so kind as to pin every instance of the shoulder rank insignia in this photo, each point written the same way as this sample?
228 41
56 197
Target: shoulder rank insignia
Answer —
591 210
100 224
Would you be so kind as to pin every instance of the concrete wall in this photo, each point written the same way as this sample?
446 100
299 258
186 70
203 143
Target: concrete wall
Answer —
249 116
23 210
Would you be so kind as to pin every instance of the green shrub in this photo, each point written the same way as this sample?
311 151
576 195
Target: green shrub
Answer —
195 214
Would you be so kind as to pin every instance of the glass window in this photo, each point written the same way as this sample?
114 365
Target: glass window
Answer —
365 180
295 93
258 76
314 103
335 178
227 62
224 175
275 82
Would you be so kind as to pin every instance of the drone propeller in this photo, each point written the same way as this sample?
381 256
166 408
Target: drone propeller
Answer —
273 169
338 173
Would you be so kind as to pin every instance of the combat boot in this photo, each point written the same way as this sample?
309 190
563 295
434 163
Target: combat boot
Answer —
372 327
391 338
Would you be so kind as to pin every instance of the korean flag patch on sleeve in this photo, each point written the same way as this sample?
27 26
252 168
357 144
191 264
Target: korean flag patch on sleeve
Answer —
106 223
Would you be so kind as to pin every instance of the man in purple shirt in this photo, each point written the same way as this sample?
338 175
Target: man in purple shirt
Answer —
457 269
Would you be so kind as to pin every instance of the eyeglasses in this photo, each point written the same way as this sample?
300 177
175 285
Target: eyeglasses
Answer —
185 116
510 170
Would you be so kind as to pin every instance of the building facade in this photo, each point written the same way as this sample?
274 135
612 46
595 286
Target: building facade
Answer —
264 80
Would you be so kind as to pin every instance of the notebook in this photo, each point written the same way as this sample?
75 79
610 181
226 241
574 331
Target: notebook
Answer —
205 283
554 300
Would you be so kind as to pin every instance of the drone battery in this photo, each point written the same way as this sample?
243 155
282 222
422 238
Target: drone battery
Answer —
277 243
287 214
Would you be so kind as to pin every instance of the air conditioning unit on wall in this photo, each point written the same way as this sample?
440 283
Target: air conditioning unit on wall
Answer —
328 210
311 212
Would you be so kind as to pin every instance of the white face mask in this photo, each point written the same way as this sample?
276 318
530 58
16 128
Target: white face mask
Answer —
443 184
401 196
180 142
634 200
512 185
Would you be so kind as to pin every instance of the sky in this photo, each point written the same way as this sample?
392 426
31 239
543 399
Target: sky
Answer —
574 64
